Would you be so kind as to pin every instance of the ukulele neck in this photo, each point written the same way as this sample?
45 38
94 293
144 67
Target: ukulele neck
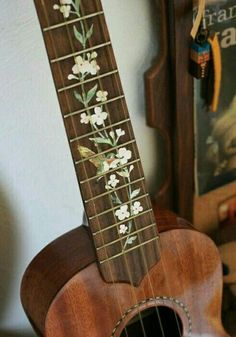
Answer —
101 138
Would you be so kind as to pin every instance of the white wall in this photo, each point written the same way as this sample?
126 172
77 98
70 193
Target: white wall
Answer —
39 197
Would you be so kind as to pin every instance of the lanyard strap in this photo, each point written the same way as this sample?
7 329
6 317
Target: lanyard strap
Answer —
217 64
200 15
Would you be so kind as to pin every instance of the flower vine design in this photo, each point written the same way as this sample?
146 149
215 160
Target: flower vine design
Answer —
64 7
86 65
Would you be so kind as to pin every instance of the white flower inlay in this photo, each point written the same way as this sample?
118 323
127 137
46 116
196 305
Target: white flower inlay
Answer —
106 166
124 155
137 208
122 213
94 55
84 118
120 132
99 116
64 7
72 77
101 96
112 182
112 134
123 229
131 168
85 66
94 67
81 66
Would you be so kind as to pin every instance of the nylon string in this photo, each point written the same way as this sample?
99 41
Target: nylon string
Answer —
125 257
154 232
75 130
142 249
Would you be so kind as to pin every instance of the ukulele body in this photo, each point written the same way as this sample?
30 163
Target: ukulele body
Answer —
64 295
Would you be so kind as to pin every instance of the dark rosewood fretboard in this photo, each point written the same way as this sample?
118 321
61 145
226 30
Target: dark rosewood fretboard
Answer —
101 138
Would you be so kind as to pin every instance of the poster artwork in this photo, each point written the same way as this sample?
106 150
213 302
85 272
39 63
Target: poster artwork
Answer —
216 132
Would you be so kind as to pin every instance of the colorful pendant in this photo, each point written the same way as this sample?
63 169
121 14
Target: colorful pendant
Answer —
200 54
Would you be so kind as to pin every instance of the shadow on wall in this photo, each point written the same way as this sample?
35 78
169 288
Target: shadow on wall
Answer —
8 255
8 262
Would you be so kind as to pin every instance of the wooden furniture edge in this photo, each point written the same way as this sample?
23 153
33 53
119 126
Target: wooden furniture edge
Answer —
181 17
170 106
159 106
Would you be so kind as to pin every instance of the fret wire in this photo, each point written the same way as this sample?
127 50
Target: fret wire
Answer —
125 109
69 22
130 129
114 190
129 250
106 254
99 46
110 171
91 188
94 106
100 130
150 210
115 208
104 152
126 236
123 104
87 81
73 122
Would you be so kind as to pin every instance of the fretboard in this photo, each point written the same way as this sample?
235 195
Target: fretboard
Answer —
101 137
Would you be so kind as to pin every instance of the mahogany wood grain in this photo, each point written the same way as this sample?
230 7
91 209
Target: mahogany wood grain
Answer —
160 104
182 17
63 293
170 106
66 293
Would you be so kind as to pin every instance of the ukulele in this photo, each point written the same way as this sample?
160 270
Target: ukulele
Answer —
119 277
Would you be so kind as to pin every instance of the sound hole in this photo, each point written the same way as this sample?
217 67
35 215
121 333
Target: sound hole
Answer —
156 323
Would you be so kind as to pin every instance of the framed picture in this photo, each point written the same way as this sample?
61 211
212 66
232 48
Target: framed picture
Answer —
215 133
215 145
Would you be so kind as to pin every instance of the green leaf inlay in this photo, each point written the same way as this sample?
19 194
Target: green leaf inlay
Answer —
91 94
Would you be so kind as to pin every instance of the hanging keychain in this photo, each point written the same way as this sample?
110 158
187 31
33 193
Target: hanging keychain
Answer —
200 52
204 49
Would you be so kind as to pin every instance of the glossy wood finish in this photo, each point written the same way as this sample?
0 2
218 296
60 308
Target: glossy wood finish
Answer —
171 105
52 268
182 15
160 105
63 293
62 47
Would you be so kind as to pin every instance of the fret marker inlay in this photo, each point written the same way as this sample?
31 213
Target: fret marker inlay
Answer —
95 115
